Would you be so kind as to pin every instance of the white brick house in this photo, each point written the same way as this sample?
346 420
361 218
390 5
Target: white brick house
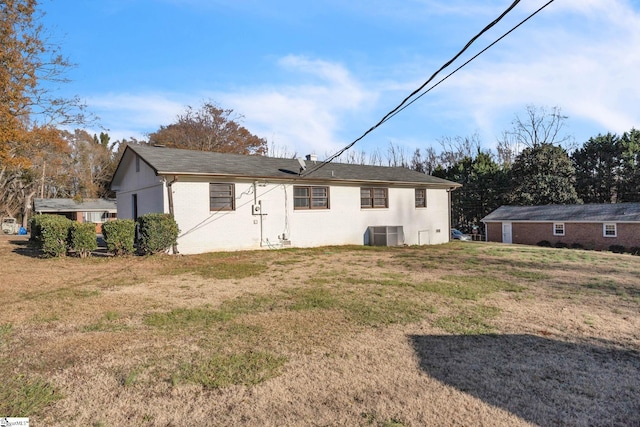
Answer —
232 202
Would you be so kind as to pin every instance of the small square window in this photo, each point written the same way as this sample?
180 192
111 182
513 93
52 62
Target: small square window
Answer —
609 230
221 197
558 229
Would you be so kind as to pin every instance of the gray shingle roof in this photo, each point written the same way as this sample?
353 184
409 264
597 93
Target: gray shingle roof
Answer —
70 205
618 212
172 161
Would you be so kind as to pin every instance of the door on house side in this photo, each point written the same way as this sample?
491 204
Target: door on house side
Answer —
506 232
134 206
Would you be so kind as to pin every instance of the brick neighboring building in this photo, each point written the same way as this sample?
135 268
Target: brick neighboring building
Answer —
594 226
97 211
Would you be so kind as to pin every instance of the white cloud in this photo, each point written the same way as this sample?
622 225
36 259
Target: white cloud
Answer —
305 118
591 75
135 115
580 55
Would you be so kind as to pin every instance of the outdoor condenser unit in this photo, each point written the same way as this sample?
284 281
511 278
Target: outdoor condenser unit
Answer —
387 235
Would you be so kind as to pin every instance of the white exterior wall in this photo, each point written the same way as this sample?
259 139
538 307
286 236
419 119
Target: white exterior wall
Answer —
149 188
344 223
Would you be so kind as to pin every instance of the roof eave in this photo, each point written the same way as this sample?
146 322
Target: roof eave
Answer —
439 185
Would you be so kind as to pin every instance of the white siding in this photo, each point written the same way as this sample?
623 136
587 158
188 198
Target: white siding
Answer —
344 223
148 188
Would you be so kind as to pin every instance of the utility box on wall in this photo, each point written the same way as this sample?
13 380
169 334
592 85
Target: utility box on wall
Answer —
387 235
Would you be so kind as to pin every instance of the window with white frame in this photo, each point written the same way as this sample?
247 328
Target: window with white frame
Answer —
609 230
558 228
95 217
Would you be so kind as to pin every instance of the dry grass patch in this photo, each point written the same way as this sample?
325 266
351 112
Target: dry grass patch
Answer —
456 334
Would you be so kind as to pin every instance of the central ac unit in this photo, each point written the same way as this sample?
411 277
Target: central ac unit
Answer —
387 235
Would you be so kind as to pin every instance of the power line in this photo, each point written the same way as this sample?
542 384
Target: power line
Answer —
389 116
408 101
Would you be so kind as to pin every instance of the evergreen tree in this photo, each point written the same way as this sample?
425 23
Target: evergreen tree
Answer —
597 165
541 175
629 188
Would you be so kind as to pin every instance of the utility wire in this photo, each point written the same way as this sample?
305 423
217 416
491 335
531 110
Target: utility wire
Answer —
389 116
408 101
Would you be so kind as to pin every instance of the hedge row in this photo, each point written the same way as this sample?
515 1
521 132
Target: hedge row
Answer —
82 238
618 249
56 235
156 233
50 234
119 236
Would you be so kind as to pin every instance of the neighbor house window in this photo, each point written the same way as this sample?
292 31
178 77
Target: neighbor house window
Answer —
222 197
558 229
609 230
421 197
374 198
96 217
310 197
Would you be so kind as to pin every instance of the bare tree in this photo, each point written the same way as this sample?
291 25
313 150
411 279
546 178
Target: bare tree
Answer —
507 150
431 160
89 165
457 148
540 125
397 155
353 157
375 158
280 151
417 164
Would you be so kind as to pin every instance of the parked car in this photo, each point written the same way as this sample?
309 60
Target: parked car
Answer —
10 226
459 235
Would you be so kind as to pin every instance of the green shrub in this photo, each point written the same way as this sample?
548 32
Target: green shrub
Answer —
36 229
157 232
635 250
82 238
617 249
544 243
119 235
51 234
561 245
577 246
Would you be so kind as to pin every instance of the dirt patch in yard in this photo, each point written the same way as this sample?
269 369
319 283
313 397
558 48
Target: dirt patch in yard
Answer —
460 334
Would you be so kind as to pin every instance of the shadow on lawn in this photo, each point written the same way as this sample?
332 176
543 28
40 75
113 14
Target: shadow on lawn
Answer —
543 381
23 246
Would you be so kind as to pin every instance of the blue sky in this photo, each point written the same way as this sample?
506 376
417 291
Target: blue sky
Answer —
310 77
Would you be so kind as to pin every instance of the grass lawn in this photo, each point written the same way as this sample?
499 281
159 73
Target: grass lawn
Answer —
465 333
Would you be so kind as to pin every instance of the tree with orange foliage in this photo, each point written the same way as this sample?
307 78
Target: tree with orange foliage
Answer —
30 110
209 129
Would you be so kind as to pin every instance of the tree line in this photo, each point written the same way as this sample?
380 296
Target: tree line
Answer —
605 169
533 163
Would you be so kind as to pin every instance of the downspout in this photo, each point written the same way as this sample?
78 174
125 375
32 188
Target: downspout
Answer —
449 214
257 205
174 247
